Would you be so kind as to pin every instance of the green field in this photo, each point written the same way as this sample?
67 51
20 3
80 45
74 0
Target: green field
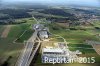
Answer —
8 48
79 45
74 36
11 50
25 20
25 36
83 50
1 28
25 33
96 24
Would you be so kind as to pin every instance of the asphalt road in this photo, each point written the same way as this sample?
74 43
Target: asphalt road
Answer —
24 59
34 52
27 51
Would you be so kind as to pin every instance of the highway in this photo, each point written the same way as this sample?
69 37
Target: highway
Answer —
34 52
27 51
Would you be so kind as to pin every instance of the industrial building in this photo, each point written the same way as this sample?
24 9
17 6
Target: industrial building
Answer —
43 34
59 51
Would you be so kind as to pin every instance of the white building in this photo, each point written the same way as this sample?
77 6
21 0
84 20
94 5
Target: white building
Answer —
43 34
60 51
54 51
38 27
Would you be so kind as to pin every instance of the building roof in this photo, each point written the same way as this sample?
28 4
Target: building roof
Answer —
55 50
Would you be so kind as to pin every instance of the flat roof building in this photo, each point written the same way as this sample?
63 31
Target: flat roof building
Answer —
43 34
60 51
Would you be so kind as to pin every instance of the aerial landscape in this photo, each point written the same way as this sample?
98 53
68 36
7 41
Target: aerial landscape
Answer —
50 33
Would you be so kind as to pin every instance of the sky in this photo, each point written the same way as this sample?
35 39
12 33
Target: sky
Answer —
69 2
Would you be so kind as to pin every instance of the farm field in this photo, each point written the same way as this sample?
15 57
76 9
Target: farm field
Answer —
6 31
77 38
9 49
79 45
96 23
35 31
74 36
25 20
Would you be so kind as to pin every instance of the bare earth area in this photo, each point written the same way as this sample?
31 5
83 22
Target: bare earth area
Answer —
6 31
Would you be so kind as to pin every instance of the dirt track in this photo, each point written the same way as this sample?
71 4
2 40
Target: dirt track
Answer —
6 31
